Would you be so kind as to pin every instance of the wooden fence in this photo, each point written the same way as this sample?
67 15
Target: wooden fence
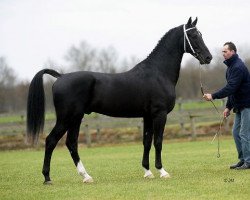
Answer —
93 127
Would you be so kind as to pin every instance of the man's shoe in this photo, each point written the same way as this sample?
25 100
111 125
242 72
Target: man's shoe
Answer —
239 164
244 166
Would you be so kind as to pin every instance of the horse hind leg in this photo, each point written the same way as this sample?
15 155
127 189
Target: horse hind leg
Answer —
51 141
72 144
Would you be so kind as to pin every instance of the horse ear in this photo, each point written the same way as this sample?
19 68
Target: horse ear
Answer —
195 22
189 21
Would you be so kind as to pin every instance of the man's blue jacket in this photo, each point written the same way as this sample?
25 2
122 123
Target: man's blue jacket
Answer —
238 84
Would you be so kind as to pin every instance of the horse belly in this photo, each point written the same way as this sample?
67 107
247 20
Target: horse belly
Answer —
118 106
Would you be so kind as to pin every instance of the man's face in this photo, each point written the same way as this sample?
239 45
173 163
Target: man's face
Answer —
227 53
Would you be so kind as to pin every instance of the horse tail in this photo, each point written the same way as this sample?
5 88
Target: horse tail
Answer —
36 105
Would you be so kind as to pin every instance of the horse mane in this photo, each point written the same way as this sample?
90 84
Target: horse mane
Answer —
163 43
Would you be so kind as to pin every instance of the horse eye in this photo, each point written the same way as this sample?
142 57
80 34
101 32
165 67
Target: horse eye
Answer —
195 36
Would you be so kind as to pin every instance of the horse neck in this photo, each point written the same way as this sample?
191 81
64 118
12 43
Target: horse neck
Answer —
167 55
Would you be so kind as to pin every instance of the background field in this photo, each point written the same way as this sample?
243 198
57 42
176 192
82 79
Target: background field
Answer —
102 129
196 173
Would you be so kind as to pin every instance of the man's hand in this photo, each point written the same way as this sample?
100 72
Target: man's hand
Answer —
208 97
226 112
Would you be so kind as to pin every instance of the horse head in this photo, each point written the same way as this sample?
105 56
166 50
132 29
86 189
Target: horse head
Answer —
194 44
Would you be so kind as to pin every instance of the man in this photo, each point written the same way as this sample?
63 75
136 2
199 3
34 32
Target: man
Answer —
238 92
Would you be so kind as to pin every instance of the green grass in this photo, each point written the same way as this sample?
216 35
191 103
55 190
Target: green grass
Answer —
196 174
11 118
192 105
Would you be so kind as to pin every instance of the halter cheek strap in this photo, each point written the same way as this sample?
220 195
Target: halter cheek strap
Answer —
186 38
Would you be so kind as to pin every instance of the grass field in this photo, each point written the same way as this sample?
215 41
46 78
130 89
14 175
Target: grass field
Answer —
196 173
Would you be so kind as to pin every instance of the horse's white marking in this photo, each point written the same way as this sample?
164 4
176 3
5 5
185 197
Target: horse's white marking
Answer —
82 171
148 174
163 173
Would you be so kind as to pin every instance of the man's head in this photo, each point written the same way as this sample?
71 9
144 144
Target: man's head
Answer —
229 49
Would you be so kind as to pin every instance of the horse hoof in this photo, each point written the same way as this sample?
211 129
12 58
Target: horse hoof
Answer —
166 176
47 183
88 180
149 176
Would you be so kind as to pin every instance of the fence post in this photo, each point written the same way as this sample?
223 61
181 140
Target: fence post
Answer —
98 132
22 123
181 121
193 134
87 135
140 128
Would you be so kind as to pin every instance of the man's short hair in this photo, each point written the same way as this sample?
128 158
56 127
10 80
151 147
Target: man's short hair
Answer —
231 46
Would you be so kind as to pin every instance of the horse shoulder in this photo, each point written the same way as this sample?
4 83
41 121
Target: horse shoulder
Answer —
162 95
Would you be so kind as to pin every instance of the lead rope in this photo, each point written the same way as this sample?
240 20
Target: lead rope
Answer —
202 91
218 133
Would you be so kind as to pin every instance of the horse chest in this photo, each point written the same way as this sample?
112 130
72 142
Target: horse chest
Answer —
163 97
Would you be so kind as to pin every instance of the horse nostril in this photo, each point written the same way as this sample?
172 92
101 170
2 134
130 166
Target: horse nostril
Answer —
208 58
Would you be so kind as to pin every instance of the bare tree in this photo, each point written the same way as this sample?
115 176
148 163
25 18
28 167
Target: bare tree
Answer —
107 60
82 57
49 81
87 58
244 54
7 83
211 76
7 74
21 94
188 85
128 63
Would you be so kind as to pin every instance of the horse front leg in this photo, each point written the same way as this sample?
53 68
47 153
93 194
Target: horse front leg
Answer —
147 142
158 127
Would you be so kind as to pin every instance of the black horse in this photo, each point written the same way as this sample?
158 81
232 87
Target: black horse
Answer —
147 91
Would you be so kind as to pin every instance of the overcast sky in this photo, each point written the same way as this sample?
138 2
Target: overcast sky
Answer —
32 31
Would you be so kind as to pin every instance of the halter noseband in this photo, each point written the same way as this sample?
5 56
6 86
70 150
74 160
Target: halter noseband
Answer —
186 37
